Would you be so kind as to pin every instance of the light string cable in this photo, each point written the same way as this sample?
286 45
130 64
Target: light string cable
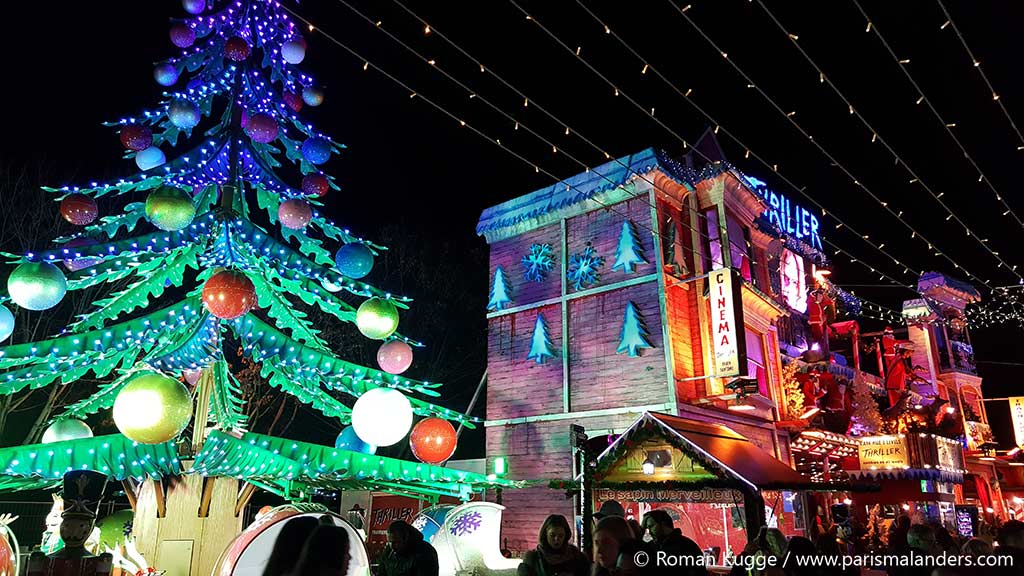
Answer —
984 77
789 116
773 167
903 65
519 124
875 135
428 26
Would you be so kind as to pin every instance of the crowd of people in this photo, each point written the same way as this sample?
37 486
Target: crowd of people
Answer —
624 547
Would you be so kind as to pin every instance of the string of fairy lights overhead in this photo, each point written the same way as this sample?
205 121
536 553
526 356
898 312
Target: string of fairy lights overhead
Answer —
884 314
904 65
976 64
875 137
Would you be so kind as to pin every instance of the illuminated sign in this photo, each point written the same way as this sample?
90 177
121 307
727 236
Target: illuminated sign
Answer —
794 281
883 452
793 219
727 323
1017 413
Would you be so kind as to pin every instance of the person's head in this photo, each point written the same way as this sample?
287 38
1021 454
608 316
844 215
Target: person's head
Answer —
921 537
610 508
976 547
288 544
659 524
1012 534
402 537
799 546
610 534
325 553
554 532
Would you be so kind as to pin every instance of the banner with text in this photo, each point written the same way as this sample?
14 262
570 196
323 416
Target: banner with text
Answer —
727 323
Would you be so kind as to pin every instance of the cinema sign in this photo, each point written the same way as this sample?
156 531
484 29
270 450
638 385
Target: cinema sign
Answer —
729 341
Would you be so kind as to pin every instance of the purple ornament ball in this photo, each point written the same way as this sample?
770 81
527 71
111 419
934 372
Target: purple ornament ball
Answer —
74 264
295 213
261 128
136 137
182 35
294 51
236 48
194 6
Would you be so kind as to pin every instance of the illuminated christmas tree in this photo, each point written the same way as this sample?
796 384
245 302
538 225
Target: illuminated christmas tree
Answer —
223 224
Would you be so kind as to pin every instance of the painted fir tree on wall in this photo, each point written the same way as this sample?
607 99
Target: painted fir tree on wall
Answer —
630 252
540 344
633 335
499 291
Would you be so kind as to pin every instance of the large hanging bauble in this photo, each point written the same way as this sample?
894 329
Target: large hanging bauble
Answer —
136 137
382 416
78 209
294 51
184 113
76 263
293 100
236 48
294 213
150 158
313 95
316 150
6 323
67 429
433 440
36 285
229 294
315 184
152 409
394 357
165 74
349 440
261 128
170 208
182 35
192 375
377 318
194 6
354 260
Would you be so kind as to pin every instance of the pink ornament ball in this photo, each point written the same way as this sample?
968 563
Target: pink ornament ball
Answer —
136 137
236 48
192 375
74 264
194 6
394 357
261 128
182 35
165 74
78 209
315 185
293 100
295 213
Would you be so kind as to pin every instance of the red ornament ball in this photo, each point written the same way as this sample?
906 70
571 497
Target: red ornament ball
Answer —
295 213
136 137
315 185
293 100
229 294
261 128
236 48
78 209
182 35
433 440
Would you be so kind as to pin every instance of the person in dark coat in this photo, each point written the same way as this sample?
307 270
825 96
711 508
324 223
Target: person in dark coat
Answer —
670 540
408 554
554 555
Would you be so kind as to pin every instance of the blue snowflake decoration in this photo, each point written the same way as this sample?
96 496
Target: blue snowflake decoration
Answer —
538 262
583 268
467 523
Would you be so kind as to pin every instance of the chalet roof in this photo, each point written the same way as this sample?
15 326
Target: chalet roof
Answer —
577 190
717 448
959 287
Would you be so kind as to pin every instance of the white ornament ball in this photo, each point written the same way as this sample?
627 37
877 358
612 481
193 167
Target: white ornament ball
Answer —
150 158
293 51
6 323
382 416
69 429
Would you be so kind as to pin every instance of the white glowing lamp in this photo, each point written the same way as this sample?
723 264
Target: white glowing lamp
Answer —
382 416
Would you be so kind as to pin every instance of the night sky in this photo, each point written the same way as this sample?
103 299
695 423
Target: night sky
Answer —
71 65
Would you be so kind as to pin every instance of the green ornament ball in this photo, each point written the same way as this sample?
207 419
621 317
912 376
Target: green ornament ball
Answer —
152 409
170 208
377 318
37 285
69 429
